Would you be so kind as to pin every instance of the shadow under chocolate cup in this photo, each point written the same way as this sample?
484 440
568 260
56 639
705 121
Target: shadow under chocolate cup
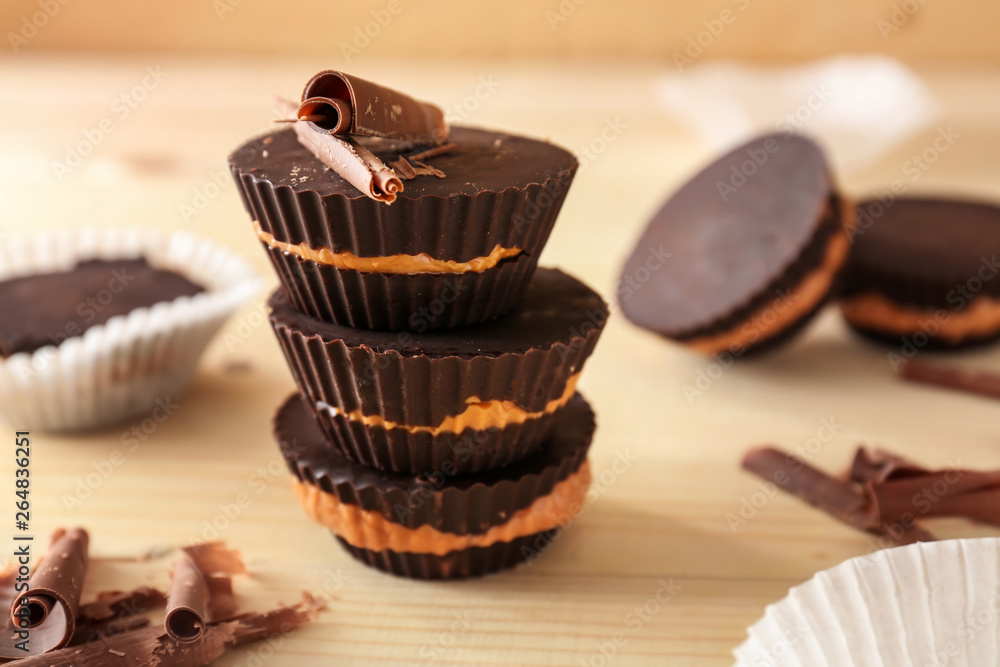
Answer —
458 400
448 252
441 526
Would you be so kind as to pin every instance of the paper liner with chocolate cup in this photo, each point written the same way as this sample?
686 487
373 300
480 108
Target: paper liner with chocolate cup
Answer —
926 272
441 526
924 604
352 105
461 400
745 253
95 374
448 252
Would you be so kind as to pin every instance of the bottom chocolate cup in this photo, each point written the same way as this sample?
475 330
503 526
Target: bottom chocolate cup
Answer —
441 526
402 302
461 564
470 451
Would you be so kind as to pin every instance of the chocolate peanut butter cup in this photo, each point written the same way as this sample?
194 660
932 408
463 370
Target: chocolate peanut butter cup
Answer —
925 271
103 325
455 247
745 253
460 400
440 526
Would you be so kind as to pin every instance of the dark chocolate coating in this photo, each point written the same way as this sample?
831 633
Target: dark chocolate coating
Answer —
458 504
46 309
400 302
555 308
499 189
735 231
399 450
411 379
923 252
462 564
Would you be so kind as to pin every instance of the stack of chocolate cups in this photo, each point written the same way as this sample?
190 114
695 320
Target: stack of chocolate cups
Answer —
436 431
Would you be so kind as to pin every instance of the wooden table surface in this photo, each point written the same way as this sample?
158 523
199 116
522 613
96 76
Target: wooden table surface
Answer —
660 520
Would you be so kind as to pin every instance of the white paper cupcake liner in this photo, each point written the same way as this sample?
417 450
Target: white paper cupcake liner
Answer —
133 363
931 603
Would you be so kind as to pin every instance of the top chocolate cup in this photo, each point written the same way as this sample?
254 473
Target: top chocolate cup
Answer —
448 252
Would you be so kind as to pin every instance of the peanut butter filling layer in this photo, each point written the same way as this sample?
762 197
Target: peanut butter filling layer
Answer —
981 318
409 264
367 529
785 310
479 415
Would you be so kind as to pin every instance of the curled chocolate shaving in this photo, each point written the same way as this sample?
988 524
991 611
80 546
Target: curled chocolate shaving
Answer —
187 605
51 602
325 114
151 647
351 105
839 499
353 162
885 493
973 382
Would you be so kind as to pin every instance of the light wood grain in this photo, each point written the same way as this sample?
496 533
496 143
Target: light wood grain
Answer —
663 519
961 30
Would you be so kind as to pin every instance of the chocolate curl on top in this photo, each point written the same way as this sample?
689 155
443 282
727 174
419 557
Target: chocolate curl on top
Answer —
354 163
187 605
350 105
51 602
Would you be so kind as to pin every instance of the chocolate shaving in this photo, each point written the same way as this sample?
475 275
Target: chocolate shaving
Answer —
187 605
404 169
351 105
51 602
151 647
884 493
433 152
326 114
409 170
215 558
838 499
973 382
115 612
881 466
353 162
426 170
